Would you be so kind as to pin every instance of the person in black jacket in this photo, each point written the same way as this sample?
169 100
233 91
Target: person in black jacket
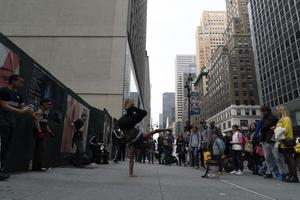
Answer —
133 134
11 103
268 124
117 137
78 127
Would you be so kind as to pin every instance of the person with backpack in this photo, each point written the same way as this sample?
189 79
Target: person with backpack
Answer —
237 150
218 150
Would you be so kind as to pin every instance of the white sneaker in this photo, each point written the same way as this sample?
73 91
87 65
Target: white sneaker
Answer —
239 172
233 172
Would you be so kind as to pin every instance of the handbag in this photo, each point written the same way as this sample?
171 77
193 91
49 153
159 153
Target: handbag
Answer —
289 142
248 147
259 150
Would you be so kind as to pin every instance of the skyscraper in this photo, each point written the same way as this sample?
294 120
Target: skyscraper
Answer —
275 28
209 36
168 108
182 64
233 96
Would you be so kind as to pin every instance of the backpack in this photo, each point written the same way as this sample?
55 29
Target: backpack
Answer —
241 138
221 145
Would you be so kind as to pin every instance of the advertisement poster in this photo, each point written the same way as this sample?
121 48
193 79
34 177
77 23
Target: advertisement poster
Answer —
42 86
73 112
9 64
195 106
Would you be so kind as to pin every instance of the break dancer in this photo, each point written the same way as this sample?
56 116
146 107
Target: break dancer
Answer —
133 133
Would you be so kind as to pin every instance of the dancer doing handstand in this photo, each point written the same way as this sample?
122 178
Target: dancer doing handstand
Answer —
133 133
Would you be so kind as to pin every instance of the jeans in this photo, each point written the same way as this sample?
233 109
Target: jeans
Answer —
268 153
273 153
117 153
150 157
195 157
282 167
201 152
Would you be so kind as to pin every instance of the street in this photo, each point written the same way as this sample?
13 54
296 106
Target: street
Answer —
153 182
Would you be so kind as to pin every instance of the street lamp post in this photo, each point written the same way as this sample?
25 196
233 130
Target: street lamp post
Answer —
188 87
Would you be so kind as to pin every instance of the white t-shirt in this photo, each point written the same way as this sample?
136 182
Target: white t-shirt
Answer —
235 139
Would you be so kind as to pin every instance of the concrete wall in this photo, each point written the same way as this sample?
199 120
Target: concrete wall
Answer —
81 42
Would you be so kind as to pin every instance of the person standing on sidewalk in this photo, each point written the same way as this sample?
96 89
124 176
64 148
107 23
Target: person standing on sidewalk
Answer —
78 126
181 149
285 123
195 145
11 103
150 150
237 149
40 129
268 124
160 148
204 142
117 136
168 145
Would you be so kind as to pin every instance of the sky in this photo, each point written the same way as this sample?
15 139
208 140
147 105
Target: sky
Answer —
171 30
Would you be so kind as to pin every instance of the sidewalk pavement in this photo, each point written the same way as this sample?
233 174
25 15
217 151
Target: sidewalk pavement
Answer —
157 182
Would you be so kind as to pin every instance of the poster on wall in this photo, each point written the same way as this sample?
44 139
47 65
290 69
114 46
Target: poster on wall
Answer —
9 64
43 86
73 113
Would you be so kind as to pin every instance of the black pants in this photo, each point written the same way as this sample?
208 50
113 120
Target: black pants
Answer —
237 160
288 154
218 159
78 157
122 152
181 157
168 154
5 137
37 162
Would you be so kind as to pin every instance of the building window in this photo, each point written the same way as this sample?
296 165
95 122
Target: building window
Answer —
253 112
237 102
247 112
238 111
243 123
229 124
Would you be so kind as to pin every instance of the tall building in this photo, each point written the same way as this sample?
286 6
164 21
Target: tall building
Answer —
182 64
209 36
147 96
168 108
275 28
91 47
189 73
160 120
233 96
201 86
